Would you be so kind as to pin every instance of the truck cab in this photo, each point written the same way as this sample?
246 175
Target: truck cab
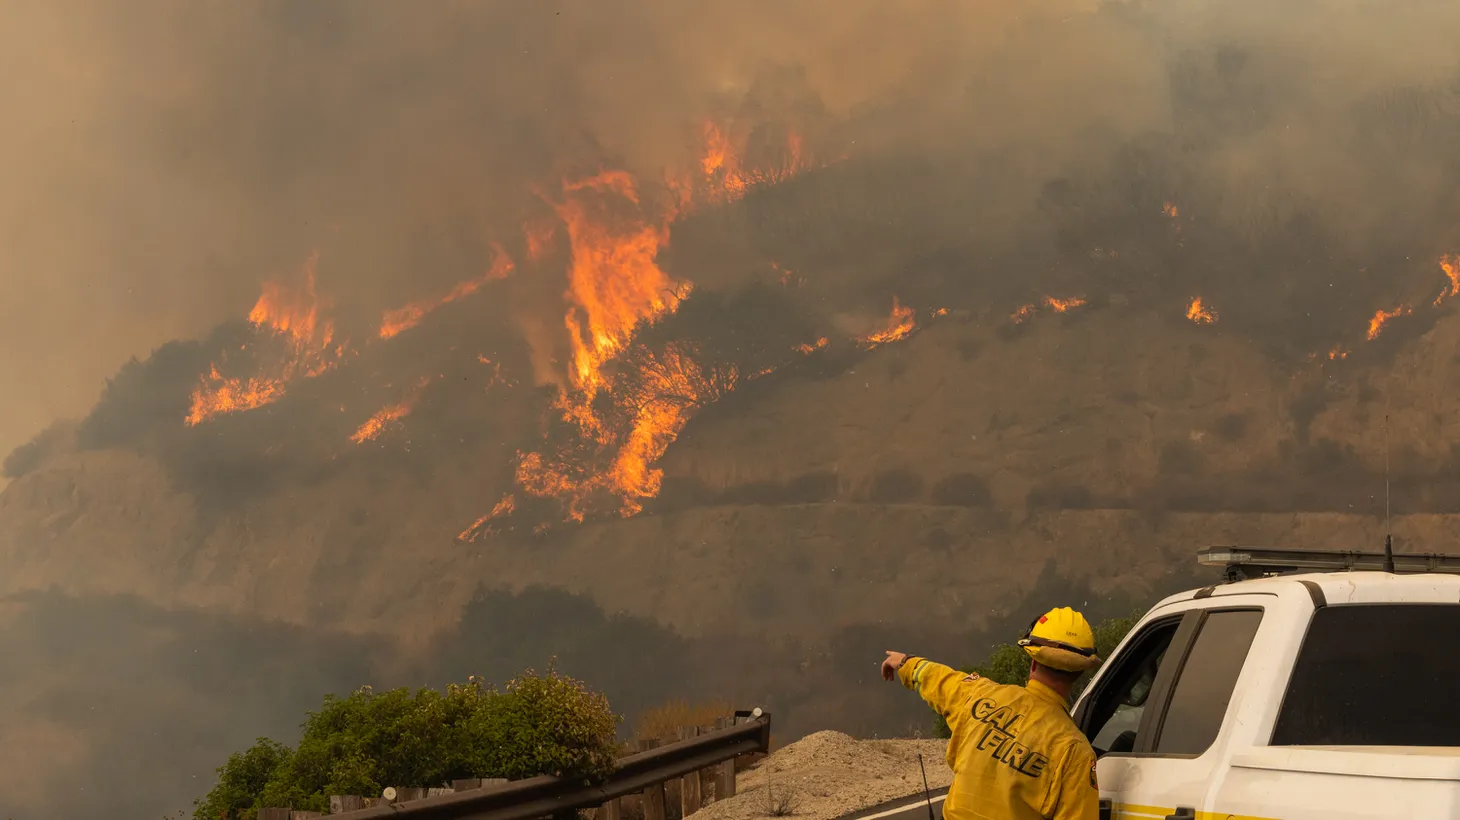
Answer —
1286 693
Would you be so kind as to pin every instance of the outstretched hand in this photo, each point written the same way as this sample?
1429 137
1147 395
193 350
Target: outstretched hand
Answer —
892 663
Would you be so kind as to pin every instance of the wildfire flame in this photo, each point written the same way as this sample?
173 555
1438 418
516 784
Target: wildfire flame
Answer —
1200 313
899 325
292 316
1337 353
718 153
1450 264
217 395
614 282
482 525
808 349
376 424
616 287
404 318
1063 305
671 391
667 388
1026 312
1381 317
724 176
1171 210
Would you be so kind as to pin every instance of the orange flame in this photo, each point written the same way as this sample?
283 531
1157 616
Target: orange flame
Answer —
1025 312
292 316
725 177
505 506
1199 313
899 325
669 386
655 427
808 349
481 526
373 426
1382 317
218 395
1337 353
1450 264
376 424
718 153
615 287
1063 305
404 318
1171 210
614 282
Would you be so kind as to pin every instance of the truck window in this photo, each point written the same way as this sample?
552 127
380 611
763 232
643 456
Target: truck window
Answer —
1120 700
1375 675
1204 685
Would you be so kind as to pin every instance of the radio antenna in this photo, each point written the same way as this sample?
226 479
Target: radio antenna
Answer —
1388 528
926 793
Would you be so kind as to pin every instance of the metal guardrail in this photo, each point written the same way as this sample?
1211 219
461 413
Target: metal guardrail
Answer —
546 795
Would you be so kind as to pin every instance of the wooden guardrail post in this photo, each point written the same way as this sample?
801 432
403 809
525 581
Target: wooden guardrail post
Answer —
654 795
707 778
724 773
408 794
689 785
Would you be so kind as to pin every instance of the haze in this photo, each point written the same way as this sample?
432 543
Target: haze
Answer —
736 324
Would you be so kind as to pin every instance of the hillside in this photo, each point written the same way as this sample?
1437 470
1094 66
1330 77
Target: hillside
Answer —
946 469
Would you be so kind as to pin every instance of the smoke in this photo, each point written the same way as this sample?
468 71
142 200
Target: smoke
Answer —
166 157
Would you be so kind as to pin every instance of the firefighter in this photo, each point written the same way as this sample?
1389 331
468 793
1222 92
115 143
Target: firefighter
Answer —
1014 751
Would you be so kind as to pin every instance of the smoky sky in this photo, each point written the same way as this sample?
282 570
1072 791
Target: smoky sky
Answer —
162 158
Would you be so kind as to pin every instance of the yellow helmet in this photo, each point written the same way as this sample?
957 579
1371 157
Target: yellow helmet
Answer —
1061 639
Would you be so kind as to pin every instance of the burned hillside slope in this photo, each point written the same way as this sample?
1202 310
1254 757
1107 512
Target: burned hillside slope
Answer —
951 466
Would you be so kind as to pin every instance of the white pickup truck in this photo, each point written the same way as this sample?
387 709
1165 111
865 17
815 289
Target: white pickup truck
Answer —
1329 694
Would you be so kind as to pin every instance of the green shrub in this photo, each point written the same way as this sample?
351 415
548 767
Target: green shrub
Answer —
241 780
359 744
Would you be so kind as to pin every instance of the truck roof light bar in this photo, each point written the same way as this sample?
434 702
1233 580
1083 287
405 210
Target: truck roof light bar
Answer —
1240 563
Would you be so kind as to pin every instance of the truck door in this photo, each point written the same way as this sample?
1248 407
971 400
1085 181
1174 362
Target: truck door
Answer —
1155 718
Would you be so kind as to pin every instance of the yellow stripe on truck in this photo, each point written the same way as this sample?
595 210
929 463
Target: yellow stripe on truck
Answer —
1130 810
1135 812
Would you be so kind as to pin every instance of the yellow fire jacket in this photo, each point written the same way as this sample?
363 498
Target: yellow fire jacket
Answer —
1015 753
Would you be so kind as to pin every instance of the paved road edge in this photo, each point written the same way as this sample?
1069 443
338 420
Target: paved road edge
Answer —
914 806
